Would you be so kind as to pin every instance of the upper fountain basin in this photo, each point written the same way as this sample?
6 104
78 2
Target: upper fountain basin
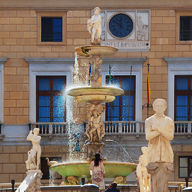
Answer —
95 95
81 169
95 50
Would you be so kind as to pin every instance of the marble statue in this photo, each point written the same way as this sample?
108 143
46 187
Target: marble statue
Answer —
143 177
159 131
95 131
94 26
34 155
142 31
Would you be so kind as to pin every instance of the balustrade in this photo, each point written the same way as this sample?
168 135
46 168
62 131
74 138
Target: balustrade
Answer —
111 127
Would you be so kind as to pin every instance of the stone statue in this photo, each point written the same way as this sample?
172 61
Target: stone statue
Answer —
142 32
159 131
95 131
34 155
94 26
143 177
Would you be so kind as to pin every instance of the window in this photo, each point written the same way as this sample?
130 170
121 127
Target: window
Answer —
123 107
51 28
185 28
45 168
185 166
50 99
183 98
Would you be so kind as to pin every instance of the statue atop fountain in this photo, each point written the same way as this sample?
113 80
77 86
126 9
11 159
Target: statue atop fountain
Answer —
94 26
159 132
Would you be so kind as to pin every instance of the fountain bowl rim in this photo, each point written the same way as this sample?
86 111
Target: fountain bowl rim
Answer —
88 162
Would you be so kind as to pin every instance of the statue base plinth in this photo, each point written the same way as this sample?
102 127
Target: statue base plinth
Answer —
159 175
93 148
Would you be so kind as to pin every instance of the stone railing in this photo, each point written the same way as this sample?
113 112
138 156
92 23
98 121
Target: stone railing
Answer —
183 127
50 129
124 127
111 127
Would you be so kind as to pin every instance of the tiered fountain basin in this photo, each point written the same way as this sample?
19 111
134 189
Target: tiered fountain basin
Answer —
81 169
95 94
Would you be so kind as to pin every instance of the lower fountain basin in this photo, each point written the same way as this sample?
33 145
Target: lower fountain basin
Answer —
81 169
95 95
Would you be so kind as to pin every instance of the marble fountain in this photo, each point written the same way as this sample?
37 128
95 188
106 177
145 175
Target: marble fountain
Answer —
96 96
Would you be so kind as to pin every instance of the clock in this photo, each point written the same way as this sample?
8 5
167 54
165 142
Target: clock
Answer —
120 25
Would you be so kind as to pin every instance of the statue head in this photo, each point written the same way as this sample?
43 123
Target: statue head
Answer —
159 106
36 131
97 10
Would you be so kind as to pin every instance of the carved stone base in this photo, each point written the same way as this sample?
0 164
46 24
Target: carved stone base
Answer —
93 148
35 186
159 176
31 183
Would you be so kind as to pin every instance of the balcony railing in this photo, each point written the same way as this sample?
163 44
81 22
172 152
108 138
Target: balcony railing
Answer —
111 128
183 127
124 127
48 129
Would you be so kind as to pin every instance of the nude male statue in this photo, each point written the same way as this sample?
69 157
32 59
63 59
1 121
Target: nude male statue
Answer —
94 26
36 148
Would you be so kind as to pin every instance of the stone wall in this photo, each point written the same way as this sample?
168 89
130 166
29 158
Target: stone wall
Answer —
12 160
18 40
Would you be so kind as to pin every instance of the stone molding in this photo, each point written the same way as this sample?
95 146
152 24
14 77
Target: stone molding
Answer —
2 61
50 60
132 60
47 67
176 66
83 4
122 66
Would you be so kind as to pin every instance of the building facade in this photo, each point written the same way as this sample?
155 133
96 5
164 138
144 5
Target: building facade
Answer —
37 43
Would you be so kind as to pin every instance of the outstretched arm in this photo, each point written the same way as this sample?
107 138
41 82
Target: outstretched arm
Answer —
30 136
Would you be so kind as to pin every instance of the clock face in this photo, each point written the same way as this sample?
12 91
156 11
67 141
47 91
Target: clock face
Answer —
120 25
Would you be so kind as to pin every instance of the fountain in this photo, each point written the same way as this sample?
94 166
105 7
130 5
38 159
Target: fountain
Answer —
96 96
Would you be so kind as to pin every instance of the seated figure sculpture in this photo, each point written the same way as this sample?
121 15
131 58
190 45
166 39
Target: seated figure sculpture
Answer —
94 26
159 131
33 161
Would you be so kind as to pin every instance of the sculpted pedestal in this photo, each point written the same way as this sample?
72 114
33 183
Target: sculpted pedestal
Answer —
159 173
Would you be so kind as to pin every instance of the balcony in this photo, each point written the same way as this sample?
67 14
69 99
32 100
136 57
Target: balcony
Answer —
136 128
50 129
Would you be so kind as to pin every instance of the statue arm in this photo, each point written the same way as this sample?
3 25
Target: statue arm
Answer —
150 134
30 136
168 133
